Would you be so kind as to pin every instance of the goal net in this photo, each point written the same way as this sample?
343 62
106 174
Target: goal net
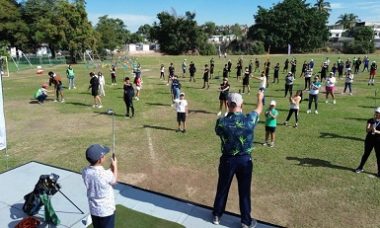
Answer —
4 69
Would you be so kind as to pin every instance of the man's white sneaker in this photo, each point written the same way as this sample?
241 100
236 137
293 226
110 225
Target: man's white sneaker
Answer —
316 112
100 106
308 111
334 101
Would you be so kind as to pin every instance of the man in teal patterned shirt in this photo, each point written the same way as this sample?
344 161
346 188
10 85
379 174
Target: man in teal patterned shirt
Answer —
236 133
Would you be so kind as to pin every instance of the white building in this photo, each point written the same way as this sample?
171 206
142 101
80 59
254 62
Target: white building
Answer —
218 39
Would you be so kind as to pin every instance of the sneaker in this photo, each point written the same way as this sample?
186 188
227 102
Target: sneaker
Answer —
136 98
63 101
295 125
184 131
219 113
358 170
350 94
100 106
308 111
178 130
316 112
265 144
334 101
94 106
286 123
75 87
248 226
271 144
326 101
55 100
216 220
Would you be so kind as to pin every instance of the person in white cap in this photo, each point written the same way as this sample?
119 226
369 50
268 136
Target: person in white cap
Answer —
270 124
99 182
330 88
372 140
236 132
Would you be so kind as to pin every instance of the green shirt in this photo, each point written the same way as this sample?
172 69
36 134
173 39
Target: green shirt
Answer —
270 121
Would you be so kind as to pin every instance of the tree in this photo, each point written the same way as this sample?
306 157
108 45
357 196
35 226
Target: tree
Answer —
363 40
13 30
323 6
290 22
145 32
112 33
178 35
209 28
348 20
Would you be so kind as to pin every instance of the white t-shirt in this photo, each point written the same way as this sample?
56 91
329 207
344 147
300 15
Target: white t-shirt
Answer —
263 82
180 105
102 80
314 88
98 182
330 82
349 78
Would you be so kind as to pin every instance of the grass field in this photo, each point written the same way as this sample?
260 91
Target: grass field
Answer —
126 217
306 180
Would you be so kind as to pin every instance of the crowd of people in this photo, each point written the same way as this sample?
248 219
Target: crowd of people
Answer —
235 129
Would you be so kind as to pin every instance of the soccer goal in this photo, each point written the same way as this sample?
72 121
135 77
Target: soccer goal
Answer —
4 69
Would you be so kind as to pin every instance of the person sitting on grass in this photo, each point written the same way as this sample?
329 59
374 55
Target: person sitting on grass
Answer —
181 107
99 182
42 93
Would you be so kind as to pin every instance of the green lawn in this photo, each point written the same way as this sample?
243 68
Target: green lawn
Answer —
306 180
126 217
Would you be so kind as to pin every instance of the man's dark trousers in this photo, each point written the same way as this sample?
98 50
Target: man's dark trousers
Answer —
228 167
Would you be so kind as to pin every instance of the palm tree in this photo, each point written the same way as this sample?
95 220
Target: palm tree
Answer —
348 20
323 6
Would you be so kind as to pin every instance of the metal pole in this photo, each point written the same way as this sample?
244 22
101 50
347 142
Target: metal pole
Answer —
71 201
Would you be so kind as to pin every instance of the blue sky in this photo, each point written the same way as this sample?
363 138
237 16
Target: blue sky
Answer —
222 12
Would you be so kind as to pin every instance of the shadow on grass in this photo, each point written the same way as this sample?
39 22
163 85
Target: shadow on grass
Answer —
327 135
200 111
157 104
33 101
105 113
78 104
366 106
315 162
159 127
357 119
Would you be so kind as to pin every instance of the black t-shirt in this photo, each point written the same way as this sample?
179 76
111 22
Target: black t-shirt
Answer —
94 82
374 123
129 91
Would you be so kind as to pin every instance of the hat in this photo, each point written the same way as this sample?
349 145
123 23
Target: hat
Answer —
182 94
95 152
290 72
272 103
377 110
225 79
235 98
348 69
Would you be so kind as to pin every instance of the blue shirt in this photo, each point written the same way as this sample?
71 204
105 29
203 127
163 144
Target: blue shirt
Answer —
236 133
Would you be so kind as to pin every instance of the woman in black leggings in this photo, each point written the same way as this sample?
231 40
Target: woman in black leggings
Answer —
294 107
372 140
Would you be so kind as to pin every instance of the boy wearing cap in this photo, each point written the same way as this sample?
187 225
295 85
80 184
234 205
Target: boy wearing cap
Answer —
182 111
236 131
41 94
270 124
98 182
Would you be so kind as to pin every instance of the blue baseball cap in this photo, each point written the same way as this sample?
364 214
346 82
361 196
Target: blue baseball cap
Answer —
95 152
